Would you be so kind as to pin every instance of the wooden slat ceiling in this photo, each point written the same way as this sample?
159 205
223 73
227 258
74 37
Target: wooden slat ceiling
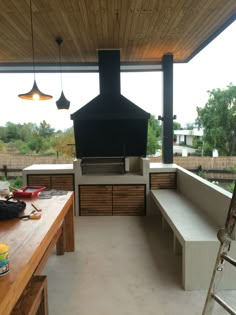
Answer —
144 30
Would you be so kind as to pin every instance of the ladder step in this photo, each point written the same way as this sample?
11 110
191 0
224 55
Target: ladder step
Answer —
229 259
223 304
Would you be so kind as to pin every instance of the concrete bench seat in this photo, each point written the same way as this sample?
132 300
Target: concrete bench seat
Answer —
194 209
194 234
185 219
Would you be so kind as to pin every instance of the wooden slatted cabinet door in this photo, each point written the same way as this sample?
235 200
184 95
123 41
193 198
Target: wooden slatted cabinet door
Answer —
39 180
163 180
95 200
62 182
129 200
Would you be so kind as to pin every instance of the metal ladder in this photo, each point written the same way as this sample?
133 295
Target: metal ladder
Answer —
224 236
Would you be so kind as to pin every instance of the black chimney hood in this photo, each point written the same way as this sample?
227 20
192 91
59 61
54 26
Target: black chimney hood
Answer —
110 125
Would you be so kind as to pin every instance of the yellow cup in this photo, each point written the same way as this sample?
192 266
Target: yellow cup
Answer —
4 259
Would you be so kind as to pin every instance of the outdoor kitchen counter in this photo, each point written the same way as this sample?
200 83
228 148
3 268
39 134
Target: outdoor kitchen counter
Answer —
49 169
69 177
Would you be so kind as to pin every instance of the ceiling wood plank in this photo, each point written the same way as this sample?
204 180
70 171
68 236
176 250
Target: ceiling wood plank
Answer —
143 30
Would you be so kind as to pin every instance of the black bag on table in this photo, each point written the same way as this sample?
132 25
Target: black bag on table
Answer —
11 209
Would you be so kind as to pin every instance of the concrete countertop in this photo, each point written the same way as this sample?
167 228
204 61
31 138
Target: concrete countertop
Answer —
69 168
112 179
49 169
162 168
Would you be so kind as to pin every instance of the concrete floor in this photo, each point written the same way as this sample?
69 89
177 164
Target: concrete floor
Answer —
122 266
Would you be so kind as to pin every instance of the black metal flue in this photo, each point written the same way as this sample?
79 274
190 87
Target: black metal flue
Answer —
110 125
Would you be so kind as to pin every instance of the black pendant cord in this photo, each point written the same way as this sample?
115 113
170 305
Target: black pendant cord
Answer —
62 103
34 93
59 42
32 36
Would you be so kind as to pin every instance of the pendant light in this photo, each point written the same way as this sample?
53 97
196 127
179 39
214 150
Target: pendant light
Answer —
34 93
62 102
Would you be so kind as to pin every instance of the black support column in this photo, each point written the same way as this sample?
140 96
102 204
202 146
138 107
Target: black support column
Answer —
167 132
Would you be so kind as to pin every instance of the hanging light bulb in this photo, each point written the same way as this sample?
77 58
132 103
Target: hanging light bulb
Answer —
34 93
62 102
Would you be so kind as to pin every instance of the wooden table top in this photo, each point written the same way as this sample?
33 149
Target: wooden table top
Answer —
28 241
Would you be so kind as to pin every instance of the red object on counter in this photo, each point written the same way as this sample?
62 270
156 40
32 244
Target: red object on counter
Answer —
28 191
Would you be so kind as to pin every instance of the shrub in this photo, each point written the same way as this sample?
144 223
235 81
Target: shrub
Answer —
230 187
17 182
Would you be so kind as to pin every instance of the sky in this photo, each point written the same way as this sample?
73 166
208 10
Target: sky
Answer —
214 67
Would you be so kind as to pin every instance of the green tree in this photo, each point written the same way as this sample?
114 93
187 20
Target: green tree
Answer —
2 146
155 125
197 142
45 130
27 137
176 126
22 146
154 133
189 126
36 143
3 133
63 143
218 118
11 132
26 130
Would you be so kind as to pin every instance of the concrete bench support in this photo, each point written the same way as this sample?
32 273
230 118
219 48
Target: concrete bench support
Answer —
198 263
177 248
194 235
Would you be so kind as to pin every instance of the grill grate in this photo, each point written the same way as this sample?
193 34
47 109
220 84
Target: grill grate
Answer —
91 166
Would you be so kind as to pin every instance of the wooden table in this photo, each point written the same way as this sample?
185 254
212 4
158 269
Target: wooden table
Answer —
31 243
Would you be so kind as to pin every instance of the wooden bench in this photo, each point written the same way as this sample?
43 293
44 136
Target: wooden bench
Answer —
33 300
194 236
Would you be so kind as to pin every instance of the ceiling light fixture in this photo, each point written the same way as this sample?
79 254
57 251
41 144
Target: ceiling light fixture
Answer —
34 93
62 102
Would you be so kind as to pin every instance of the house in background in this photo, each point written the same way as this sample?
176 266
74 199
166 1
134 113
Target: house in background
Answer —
185 136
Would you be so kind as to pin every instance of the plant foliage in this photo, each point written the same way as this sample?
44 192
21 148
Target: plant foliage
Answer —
154 133
218 118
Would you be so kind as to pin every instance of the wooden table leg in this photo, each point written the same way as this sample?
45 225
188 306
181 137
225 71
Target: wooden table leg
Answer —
69 229
43 307
34 299
60 245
